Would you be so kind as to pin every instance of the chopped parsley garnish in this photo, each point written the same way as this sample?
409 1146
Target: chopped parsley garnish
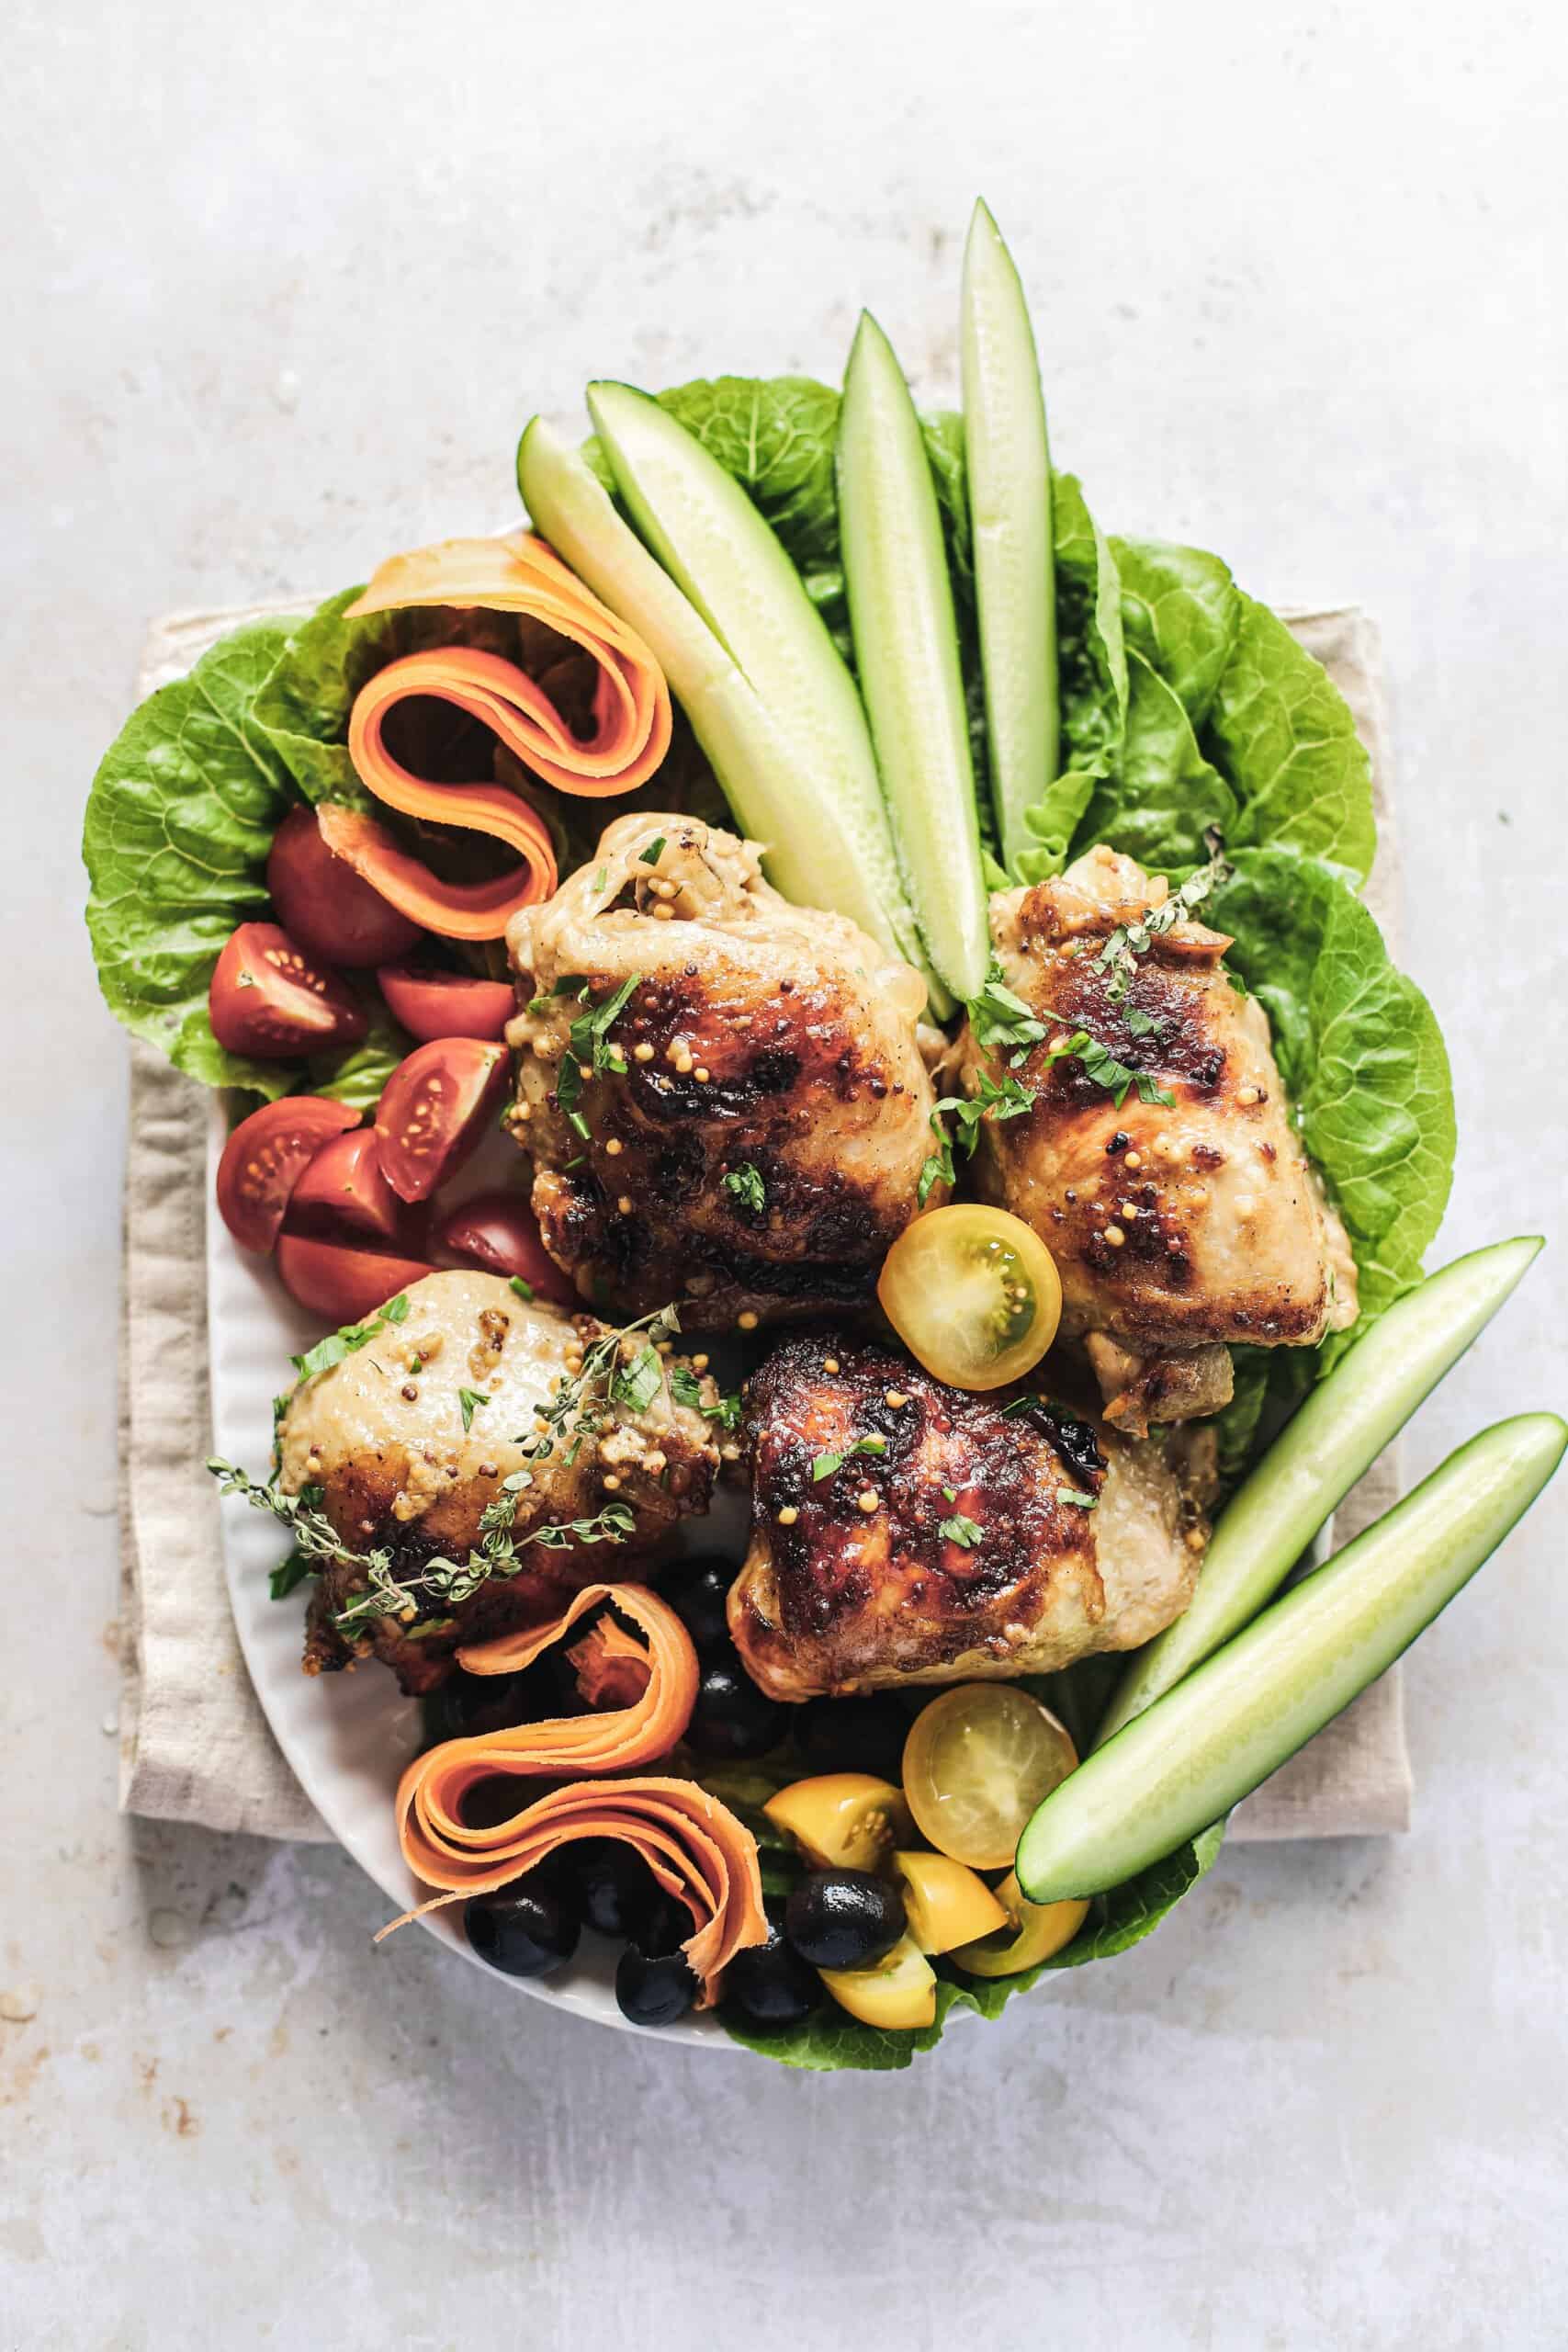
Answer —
638 1383
962 1532
588 1050
1008 1101
1076 1496
350 1338
601 877
1102 1068
747 1185
825 1465
524 1290
653 853
469 1399
687 1390
576 1409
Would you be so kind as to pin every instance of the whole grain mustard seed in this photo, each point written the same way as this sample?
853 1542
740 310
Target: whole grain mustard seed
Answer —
613 1148
701 1075
1115 1235
866 1498
1195 1539
830 1364
1248 1095
895 1396
643 1053
747 1319
1133 1160
664 912
609 1481
788 1516
700 1363
623 1204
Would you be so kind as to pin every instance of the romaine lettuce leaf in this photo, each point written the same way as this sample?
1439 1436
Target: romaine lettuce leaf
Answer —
1361 1055
1165 794
1091 648
832 2040
179 822
1281 734
1180 610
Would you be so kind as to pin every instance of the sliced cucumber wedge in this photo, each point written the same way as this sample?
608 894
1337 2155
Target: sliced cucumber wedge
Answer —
1311 1466
1183 1763
1007 460
906 653
826 834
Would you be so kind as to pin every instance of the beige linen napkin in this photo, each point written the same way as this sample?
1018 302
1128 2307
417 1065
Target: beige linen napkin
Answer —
194 1743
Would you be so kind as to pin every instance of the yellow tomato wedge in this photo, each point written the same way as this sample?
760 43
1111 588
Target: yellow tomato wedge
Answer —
844 1821
899 1992
976 1763
1040 1930
944 1903
973 1293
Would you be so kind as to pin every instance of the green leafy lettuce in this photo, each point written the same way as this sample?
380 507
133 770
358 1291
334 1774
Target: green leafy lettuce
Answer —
832 2039
1361 1056
179 824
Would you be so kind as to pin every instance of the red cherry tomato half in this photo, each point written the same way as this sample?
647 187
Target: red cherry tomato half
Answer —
266 1158
339 1284
345 1183
499 1231
447 1004
326 905
434 1110
269 999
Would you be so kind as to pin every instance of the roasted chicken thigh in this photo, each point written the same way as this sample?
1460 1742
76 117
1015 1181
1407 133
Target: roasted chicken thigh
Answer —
411 1438
1185 1217
722 1095
904 1531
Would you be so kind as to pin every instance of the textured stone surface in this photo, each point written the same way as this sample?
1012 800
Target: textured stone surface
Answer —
283 284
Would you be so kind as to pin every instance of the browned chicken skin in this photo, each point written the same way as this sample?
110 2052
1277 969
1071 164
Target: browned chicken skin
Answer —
383 1434
958 1551
1177 1228
760 1146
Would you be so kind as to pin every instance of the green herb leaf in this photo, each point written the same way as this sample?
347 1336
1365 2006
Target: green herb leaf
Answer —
653 853
825 1465
291 1573
469 1400
746 1184
347 1341
965 1532
637 1384
1076 1496
524 1290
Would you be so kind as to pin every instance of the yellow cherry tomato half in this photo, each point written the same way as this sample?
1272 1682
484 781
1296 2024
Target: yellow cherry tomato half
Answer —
1037 1931
900 1992
944 1902
973 1293
976 1763
842 1821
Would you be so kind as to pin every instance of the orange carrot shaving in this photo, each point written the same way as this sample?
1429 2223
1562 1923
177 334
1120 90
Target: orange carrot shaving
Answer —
695 1847
631 715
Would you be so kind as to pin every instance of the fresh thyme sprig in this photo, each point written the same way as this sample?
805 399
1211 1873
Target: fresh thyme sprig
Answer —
1119 954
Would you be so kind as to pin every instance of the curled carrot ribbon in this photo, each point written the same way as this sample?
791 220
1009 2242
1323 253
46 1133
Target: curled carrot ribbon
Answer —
631 726
695 1847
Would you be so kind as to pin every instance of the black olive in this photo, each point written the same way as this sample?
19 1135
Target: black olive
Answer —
665 1926
527 1929
697 1591
654 1991
732 1718
853 1734
843 1918
769 1986
619 1893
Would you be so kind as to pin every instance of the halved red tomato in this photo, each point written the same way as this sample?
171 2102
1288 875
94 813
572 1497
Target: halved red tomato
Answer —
500 1232
447 1004
267 1157
434 1110
326 905
344 1181
269 999
341 1285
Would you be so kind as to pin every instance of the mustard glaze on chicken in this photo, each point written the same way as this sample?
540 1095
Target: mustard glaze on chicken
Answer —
1178 1227
748 1137
905 1531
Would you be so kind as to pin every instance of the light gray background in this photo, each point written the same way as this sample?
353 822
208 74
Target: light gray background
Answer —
280 285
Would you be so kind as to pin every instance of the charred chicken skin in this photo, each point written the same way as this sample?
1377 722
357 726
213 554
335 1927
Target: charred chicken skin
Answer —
1178 1225
745 1132
903 1531
411 1438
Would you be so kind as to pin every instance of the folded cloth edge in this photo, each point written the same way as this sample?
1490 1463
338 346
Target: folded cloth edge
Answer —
195 1745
